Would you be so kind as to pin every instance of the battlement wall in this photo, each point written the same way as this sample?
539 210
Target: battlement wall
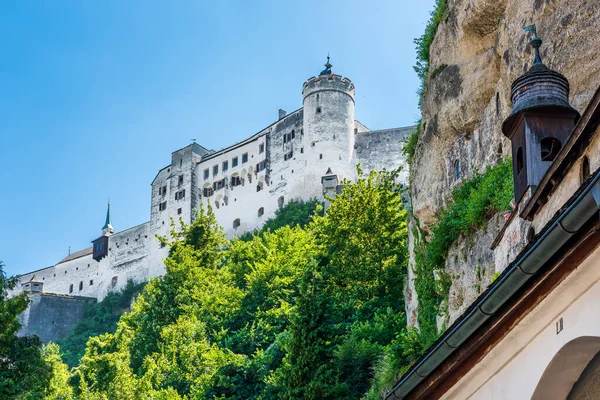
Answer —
51 316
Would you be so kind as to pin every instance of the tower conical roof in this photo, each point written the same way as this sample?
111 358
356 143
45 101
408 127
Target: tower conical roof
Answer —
108 228
539 87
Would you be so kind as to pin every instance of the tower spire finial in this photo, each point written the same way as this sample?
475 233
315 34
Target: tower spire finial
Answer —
108 228
327 70
536 42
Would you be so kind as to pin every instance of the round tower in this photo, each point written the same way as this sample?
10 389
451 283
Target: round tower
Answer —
328 104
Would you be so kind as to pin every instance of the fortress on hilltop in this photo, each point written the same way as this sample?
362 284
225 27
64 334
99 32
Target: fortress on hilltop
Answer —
304 154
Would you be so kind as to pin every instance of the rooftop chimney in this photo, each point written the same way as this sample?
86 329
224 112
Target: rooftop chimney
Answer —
282 113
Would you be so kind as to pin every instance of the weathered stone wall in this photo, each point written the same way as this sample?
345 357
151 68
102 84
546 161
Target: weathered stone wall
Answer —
377 150
479 49
52 316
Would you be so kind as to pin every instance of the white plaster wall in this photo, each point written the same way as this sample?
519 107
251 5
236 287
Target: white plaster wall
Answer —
243 201
56 279
513 368
329 134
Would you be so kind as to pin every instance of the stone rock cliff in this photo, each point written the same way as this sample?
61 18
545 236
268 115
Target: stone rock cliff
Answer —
479 49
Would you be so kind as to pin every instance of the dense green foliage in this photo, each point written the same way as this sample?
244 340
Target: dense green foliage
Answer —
410 145
295 213
471 205
297 312
99 318
23 372
58 387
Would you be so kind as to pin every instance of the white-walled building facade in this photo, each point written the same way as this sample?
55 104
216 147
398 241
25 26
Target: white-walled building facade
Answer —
303 155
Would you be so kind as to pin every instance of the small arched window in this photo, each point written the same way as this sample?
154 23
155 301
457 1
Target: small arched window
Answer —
457 169
519 160
280 202
585 169
71 288
261 211
530 234
549 148
497 103
236 223
81 285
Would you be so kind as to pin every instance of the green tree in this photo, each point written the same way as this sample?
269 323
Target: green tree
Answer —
23 372
58 387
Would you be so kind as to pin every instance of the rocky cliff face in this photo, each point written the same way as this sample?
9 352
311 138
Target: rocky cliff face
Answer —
479 49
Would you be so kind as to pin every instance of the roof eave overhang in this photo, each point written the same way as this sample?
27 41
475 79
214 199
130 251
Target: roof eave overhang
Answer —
577 212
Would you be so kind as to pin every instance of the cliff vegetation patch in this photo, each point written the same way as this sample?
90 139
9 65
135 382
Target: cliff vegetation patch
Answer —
469 208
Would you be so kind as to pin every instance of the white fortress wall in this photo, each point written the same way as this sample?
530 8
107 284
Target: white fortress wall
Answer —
280 163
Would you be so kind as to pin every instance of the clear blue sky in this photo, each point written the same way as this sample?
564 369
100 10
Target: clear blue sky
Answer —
95 95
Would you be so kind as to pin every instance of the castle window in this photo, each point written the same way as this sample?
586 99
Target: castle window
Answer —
261 148
208 191
70 288
280 202
80 285
225 200
260 166
180 163
114 281
259 187
206 173
320 156
236 181
261 211
244 158
549 148
225 165
318 110
301 150
215 170
162 206
180 195
457 169
234 162
288 156
180 180
91 282
317 96
519 160
162 190
218 185
585 169
236 223
179 211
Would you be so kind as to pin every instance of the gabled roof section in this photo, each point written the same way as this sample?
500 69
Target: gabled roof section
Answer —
77 254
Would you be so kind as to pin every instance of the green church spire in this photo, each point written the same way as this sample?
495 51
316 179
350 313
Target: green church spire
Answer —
108 228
